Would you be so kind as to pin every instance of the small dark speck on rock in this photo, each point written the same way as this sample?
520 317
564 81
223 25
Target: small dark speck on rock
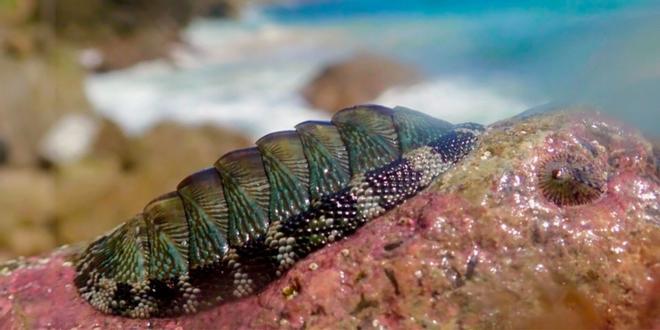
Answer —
393 245
455 277
392 277
318 310
363 304
471 266
360 276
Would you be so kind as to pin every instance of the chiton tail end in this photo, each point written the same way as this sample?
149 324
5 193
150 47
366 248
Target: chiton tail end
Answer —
113 272
140 269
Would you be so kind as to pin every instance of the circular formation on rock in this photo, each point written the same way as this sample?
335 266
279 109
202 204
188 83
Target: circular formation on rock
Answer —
567 179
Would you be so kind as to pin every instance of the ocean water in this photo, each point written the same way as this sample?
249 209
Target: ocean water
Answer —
483 61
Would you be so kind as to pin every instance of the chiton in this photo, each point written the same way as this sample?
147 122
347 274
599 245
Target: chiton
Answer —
229 230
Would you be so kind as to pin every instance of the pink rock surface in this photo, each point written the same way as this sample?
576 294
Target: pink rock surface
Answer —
481 249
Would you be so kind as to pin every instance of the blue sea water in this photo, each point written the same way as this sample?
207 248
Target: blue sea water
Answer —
484 60
324 9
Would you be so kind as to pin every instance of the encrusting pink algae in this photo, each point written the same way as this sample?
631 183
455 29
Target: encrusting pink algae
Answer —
486 247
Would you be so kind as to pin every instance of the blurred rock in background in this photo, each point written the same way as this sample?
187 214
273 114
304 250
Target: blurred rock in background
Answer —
219 8
4 152
127 32
27 210
82 197
36 91
104 190
356 80
69 139
67 174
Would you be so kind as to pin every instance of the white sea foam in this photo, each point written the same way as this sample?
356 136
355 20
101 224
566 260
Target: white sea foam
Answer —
247 75
456 100
262 101
244 75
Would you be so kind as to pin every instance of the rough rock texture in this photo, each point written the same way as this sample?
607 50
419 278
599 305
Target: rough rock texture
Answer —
356 80
482 249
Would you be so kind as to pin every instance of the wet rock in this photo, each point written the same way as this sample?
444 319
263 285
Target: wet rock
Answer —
481 249
356 80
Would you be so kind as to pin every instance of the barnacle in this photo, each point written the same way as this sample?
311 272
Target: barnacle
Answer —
568 179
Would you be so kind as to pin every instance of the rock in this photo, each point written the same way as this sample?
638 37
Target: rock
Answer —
27 209
18 44
78 136
656 152
26 195
482 248
69 139
102 18
84 191
122 51
16 12
29 106
4 152
101 182
219 8
121 33
356 80
100 192
170 151
111 142
30 240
